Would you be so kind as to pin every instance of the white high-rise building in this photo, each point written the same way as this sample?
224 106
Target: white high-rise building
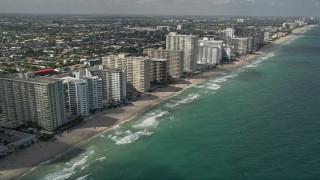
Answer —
186 43
78 96
229 32
114 83
95 92
227 51
163 28
240 20
95 88
266 37
210 51
32 99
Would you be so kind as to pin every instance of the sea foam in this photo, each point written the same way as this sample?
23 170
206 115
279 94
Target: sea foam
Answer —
150 121
190 98
83 177
71 166
130 137
260 60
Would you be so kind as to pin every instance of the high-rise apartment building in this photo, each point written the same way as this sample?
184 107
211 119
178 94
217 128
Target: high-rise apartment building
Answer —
95 88
158 71
179 27
137 69
186 43
114 83
229 33
242 45
256 35
95 92
257 39
32 99
227 52
174 60
210 51
163 28
78 96
266 37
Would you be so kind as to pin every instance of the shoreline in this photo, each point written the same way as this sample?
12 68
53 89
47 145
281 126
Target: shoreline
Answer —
20 163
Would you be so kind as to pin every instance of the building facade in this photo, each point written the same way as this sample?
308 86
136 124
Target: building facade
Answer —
174 60
210 51
78 97
37 99
229 33
186 43
137 69
227 52
158 71
95 92
95 88
114 83
241 45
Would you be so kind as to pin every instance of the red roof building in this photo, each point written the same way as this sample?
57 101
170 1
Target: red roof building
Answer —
44 72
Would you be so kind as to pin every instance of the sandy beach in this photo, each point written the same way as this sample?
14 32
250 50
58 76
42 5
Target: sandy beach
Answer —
19 163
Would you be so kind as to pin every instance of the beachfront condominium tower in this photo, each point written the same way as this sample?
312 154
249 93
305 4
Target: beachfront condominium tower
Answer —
158 71
137 69
27 98
186 43
241 45
114 83
95 92
210 51
174 60
229 33
95 88
78 96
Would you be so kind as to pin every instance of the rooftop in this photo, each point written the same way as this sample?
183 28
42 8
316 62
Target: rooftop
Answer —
36 80
43 70
183 35
155 59
106 69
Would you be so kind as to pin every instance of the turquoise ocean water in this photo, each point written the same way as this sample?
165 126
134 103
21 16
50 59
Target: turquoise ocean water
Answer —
258 121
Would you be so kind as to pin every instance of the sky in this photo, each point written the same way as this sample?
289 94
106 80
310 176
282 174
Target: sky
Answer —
166 7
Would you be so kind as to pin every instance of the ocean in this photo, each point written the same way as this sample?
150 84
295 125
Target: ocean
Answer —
258 121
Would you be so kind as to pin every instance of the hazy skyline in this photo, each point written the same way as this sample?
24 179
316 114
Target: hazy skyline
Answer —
170 7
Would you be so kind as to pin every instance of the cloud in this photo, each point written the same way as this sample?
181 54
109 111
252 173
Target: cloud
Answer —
208 7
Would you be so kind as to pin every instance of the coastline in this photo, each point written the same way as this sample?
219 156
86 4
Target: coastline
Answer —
27 159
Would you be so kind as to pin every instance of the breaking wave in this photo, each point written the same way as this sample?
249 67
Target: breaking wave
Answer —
150 121
71 167
214 86
190 98
83 177
130 137
101 159
260 60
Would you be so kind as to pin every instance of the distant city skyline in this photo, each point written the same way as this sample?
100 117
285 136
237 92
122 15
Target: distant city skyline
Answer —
166 7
